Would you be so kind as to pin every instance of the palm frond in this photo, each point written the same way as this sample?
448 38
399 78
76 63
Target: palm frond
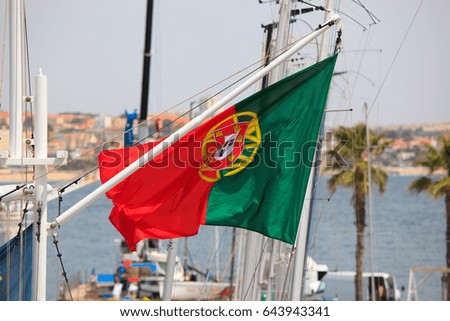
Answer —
379 177
343 178
379 144
445 152
432 160
419 185
438 188
344 136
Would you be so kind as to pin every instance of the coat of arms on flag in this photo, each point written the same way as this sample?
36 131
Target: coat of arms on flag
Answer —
230 146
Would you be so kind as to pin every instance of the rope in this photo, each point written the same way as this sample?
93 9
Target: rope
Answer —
27 55
258 264
22 264
283 293
8 255
12 191
75 181
25 211
213 264
375 20
28 86
353 19
321 8
38 223
60 199
64 273
395 57
338 44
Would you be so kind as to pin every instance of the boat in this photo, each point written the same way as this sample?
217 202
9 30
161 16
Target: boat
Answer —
325 285
187 284
145 274
40 160
140 274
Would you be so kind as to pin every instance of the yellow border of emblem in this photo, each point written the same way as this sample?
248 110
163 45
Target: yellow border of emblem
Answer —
252 140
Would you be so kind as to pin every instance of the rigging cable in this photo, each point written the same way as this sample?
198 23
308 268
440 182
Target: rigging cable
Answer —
38 223
27 57
3 53
60 199
28 86
12 191
22 265
8 254
213 264
375 20
64 273
286 277
353 19
395 57
366 44
321 8
258 265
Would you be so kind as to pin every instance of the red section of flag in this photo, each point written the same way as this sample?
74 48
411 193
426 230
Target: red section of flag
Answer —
166 198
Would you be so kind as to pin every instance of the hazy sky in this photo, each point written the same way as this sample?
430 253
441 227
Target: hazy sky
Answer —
91 51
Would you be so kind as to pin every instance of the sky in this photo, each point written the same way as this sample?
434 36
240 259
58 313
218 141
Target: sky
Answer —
92 53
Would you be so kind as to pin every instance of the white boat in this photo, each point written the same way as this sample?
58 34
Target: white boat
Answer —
323 284
147 270
187 290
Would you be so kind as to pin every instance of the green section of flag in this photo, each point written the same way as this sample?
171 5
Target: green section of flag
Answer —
267 196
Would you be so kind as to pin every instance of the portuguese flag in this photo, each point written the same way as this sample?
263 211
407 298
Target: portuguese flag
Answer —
246 167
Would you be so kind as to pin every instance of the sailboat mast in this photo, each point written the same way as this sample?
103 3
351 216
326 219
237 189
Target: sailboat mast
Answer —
143 130
15 79
40 159
282 38
369 207
300 260
40 190
282 41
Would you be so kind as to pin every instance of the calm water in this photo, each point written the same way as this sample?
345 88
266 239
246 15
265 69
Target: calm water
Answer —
409 231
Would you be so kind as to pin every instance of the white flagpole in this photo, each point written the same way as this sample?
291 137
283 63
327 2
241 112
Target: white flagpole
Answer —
254 240
300 259
15 79
41 143
173 138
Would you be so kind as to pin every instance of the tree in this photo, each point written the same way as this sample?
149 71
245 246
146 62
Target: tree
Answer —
437 159
350 170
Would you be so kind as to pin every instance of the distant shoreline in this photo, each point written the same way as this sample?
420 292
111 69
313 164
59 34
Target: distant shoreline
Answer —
411 171
8 176
402 171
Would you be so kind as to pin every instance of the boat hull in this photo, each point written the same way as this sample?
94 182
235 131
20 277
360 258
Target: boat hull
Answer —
183 290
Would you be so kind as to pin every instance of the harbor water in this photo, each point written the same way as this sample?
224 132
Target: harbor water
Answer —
409 230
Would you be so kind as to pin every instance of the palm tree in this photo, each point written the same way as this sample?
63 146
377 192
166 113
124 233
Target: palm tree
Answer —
350 170
437 159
